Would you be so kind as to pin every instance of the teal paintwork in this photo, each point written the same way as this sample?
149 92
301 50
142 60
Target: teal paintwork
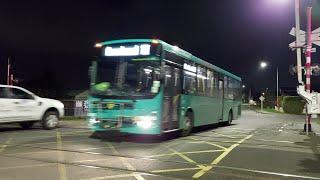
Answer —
207 110
142 107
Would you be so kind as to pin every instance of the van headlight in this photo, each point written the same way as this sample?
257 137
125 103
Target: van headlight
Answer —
93 119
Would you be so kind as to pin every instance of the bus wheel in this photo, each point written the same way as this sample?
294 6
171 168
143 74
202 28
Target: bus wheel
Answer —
188 124
229 118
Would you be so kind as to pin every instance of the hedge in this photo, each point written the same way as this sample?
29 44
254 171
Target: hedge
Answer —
293 104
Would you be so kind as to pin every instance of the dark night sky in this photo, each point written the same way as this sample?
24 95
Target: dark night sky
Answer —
55 39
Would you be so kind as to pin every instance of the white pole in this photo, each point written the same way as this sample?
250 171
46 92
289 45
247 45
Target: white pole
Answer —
277 89
298 46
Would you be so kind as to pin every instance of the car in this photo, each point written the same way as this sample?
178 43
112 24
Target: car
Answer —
18 105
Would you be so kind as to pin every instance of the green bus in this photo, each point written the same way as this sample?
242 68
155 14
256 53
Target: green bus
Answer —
147 86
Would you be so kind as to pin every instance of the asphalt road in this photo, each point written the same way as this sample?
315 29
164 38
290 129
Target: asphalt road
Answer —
256 146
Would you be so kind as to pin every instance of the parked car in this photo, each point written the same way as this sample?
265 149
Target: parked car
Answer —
18 105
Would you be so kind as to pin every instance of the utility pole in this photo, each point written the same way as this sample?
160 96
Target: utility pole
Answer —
277 89
308 66
8 72
298 45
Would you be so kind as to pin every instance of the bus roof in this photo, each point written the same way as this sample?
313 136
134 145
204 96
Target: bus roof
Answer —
175 50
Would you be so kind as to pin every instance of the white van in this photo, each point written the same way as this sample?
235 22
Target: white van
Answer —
22 106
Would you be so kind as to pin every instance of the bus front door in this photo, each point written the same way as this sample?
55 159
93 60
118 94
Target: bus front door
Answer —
171 97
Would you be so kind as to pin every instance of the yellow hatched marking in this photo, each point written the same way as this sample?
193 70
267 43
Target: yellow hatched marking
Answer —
183 156
125 162
175 170
210 143
219 158
228 136
190 152
61 167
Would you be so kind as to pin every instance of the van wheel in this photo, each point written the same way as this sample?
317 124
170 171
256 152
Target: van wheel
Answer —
188 124
50 120
26 125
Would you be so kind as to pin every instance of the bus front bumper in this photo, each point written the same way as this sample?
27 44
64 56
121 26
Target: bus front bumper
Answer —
145 125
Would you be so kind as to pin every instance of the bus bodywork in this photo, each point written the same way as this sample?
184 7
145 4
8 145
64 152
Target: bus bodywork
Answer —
145 86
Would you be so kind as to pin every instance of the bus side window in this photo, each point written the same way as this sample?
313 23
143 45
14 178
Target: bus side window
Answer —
210 83
201 80
167 80
189 82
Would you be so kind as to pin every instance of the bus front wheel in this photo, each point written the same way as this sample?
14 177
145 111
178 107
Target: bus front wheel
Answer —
230 117
188 124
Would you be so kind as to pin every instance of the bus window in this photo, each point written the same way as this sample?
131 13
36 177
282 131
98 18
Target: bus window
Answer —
201 80
210 83
167 80
189 82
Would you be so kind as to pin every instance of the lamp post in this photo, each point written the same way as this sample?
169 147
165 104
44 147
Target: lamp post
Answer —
264 65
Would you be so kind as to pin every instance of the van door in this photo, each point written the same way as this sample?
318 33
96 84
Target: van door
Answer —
25 105
7 109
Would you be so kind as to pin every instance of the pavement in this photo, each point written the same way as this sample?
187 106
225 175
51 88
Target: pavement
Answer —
256 146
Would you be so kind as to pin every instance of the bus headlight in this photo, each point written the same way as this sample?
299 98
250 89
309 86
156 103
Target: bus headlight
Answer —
146 122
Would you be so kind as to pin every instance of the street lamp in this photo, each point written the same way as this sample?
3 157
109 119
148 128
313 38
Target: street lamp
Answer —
263 65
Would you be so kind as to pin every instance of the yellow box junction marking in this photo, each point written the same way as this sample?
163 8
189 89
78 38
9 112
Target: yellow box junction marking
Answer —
188 152
125 162
61 166
203 168
210 143
219 158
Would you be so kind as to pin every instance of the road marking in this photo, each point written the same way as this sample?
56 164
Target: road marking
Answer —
36 152
210 143
27 166
125 162
175 170
188 152
266 140
114 176
219 158
61 166
269 173
182 156
3 146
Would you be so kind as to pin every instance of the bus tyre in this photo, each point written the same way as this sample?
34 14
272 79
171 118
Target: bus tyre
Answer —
50 120
188 124
26 125
230 117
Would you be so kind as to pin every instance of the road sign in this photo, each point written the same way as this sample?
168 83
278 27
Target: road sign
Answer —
261 98
315 37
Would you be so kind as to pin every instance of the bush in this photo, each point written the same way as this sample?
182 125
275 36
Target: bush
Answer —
293 104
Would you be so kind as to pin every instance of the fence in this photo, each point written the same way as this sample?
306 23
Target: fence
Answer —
77 108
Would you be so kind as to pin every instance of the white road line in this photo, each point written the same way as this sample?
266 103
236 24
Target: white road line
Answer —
269 173
27 166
